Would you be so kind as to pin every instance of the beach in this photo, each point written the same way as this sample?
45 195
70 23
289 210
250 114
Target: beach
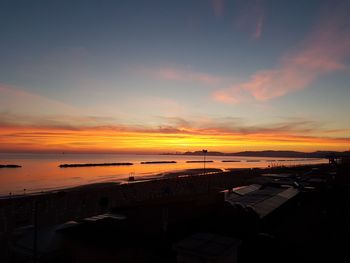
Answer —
41 172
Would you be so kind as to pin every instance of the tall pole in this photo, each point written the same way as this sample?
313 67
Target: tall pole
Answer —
204 160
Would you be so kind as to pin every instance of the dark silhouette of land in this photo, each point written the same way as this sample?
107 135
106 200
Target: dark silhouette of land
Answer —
270 153
91 164
10 166
158 162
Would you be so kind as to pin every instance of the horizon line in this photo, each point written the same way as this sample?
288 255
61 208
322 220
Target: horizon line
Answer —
159 153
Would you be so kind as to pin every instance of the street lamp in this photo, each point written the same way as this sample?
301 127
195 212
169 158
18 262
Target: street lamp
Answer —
204 155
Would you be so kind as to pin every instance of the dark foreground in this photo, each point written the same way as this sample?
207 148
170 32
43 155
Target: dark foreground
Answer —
298 214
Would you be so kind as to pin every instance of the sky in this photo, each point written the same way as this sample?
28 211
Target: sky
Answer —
174 76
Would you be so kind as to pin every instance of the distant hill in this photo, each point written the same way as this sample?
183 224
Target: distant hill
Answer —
270 153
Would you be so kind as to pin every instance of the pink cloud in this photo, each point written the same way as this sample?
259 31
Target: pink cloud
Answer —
224 97
171 74
17 100
268 84
259 26
157 104
205 78
186 75
218 7
234 96
250 18
322 53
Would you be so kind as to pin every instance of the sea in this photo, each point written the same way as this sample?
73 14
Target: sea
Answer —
41 172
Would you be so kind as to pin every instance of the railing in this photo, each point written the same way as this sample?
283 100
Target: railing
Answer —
61 206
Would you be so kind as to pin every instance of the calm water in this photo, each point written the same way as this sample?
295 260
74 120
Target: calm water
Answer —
40 172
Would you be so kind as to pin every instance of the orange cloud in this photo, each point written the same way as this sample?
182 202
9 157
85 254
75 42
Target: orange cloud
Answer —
174 135
111 140
324 52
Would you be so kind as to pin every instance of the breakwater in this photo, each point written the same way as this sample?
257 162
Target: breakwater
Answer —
10 166
158 162
91 164
199 161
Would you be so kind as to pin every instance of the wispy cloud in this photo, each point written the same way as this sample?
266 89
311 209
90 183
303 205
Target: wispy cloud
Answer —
175 74
195 125
69 122
20 100
259 26
218 7
148 105
250 17
323 52
171 134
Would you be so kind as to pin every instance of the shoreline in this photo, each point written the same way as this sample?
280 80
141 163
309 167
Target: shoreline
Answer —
74 165
59 206
99 174
121 181
196 172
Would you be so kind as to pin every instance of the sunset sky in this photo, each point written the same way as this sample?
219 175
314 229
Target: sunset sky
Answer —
165 76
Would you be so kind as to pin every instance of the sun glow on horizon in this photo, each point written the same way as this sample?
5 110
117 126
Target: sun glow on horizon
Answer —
27 139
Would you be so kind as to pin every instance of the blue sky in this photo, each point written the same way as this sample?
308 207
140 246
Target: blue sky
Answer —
148 63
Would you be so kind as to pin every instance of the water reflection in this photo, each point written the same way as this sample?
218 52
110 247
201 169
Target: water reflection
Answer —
40 172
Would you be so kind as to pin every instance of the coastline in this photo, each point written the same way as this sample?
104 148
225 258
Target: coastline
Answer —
171 175
125 180
40 173
142 200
